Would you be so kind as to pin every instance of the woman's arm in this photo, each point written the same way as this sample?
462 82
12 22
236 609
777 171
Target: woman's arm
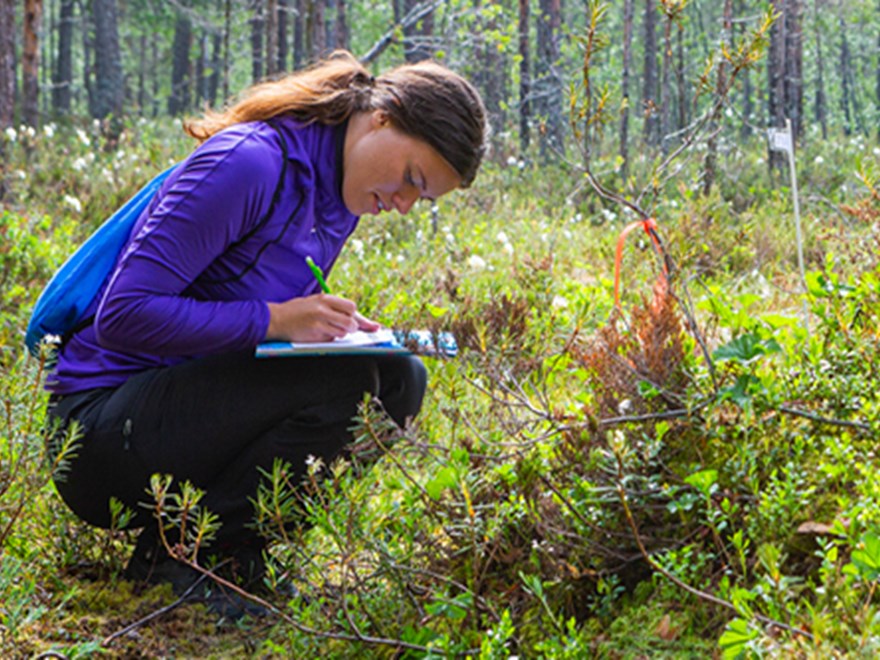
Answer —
224 189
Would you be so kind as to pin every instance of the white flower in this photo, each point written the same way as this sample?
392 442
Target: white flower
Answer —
511 161
81 134
108 175
507 248
818 160
313 464
559 301
400 258
73 202
11 135
521 164
476 262
625 407
502 237
49 130
449 238
609 215
357 246
80 164
21 174
877 151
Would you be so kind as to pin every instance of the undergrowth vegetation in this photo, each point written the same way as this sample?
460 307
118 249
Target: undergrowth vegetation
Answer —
693 471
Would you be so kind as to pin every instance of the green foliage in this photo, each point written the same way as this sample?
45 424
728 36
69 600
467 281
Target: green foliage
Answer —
508 520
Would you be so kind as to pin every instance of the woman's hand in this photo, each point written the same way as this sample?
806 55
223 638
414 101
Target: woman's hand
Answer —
320 317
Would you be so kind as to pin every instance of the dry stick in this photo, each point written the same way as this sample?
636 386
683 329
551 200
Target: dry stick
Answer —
861 426
678 582
154 615
416 14
358 637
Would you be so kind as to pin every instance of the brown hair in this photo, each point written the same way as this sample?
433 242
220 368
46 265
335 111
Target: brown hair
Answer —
425 100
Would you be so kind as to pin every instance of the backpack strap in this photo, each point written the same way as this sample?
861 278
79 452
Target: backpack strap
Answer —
276 196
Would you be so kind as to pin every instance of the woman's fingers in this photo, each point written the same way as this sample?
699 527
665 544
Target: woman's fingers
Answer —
365 324
320 317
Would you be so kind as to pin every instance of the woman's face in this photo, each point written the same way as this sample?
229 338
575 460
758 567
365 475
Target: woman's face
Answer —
386 169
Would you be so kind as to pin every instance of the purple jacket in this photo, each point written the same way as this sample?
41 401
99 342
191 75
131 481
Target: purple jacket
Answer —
187 285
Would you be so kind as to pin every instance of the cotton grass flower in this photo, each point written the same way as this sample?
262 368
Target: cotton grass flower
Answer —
83 137
73 203
476 262
11 135
49 130
560 302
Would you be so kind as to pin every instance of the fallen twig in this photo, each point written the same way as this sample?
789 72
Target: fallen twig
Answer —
861 426
155 615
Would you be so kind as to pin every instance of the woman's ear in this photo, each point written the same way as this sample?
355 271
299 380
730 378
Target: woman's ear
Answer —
380 119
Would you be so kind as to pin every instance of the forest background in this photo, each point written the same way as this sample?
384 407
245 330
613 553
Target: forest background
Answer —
664 447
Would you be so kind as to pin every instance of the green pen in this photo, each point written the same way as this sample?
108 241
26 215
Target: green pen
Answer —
318 273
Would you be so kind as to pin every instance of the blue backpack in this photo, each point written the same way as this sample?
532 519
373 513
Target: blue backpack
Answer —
60 307
72 289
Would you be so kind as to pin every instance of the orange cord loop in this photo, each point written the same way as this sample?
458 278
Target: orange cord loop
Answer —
650 227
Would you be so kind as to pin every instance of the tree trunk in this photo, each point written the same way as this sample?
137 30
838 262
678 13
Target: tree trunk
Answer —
7 63
299 47
776 80
88 41
63 78
666 87
142 74
283 46
154 48
227 29
494 89
202 66
30 62
415 48
341 33
216 65
257 27
845 92
794 56
315 30
681 82
710 164
651 126
745 75
524 76
628 11
548 85
181 78
271 57
820 111
109 86
48 52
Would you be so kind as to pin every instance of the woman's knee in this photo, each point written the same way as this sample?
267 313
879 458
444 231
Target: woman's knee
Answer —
403 380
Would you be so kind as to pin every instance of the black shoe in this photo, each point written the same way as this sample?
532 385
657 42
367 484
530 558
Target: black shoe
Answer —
150 564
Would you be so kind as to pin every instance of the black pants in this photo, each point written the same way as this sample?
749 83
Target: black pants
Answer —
215 421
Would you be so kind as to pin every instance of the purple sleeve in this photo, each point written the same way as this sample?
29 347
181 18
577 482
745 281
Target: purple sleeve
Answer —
224 189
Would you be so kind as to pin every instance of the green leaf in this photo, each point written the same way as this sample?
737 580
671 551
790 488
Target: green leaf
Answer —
704 481
736 638
867 558
742 390
745 348
443 480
